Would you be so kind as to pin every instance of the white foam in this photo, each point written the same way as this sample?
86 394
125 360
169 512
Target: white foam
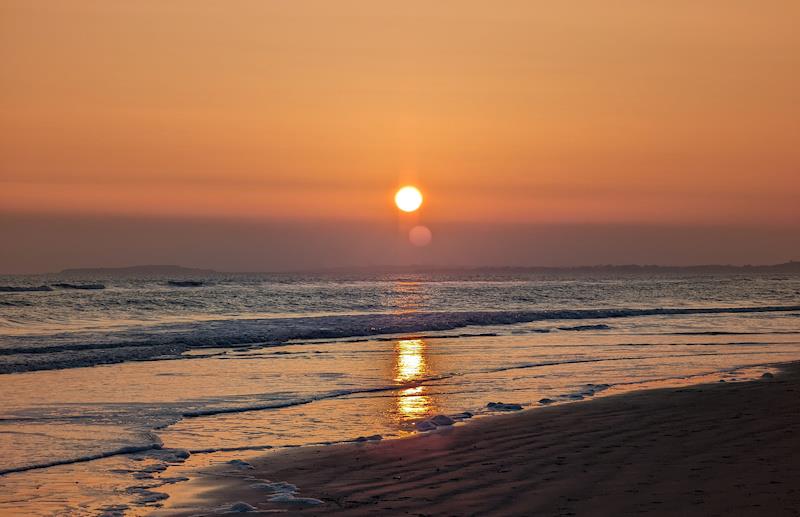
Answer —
293 499
286 493
146 496
240 507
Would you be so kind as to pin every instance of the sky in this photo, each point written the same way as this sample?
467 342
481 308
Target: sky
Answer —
540 133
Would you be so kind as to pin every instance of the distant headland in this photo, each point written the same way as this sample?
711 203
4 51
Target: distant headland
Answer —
165 270
181 271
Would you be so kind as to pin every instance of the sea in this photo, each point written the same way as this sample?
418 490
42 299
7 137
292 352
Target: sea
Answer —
117 388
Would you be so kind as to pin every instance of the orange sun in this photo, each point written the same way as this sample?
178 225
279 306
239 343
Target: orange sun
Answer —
408 199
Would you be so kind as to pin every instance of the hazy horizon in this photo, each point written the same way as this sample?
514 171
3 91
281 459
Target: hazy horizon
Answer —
246 245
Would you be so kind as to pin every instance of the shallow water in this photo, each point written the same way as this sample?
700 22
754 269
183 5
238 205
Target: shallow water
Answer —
218 403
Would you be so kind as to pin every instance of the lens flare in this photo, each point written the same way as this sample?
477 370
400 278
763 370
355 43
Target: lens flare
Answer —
420 236
408 199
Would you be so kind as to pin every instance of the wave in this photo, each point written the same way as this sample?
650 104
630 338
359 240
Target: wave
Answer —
185 283
67 285
308 400
729 333
16 303
24 289
579 328
83 459
79 349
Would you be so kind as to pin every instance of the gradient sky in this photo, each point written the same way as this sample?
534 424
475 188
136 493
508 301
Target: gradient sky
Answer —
606 115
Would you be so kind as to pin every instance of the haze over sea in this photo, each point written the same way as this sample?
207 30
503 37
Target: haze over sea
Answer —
129 388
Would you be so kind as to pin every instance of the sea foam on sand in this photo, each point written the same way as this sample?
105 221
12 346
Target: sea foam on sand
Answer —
284 492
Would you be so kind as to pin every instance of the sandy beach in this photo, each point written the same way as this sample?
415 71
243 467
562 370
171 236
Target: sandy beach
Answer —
715 449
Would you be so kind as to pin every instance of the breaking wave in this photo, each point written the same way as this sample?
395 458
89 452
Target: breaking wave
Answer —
78 349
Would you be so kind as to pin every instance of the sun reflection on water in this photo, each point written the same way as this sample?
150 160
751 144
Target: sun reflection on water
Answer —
408 296
413 403
411 365
410 360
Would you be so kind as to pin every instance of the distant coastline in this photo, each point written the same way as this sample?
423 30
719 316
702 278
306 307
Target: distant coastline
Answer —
139 270
176 270
786 267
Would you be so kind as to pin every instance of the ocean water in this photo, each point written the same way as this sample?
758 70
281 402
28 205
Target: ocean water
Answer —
129 389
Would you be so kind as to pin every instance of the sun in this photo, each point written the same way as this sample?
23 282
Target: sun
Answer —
408 199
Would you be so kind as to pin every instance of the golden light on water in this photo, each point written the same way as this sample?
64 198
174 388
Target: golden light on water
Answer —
410 360
408 199
408 296
413 403
410 366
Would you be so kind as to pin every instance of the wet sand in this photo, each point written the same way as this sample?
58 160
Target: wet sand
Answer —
716 449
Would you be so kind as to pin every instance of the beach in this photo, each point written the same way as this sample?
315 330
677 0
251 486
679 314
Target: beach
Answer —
723 448
92 423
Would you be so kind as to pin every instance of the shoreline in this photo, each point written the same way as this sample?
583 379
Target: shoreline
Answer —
721 448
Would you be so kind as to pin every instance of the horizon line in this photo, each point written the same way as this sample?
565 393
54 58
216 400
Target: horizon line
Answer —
792 265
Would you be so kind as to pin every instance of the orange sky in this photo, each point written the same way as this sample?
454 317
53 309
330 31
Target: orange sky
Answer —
537 112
